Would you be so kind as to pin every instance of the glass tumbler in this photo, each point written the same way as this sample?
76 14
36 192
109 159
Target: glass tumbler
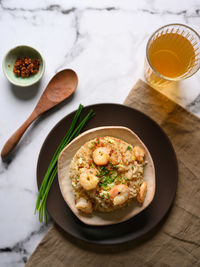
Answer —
172 54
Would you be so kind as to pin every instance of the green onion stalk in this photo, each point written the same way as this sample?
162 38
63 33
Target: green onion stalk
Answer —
51 172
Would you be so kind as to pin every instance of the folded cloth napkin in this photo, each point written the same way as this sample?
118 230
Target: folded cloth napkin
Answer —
174 243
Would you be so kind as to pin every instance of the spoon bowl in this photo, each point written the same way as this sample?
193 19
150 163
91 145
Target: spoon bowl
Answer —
60 87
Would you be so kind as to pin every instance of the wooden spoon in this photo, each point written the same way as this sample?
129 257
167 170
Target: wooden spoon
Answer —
60 87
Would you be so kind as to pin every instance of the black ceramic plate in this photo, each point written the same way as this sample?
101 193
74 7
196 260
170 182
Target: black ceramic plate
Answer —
166 169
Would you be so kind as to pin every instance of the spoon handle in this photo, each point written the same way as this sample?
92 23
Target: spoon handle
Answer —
14 139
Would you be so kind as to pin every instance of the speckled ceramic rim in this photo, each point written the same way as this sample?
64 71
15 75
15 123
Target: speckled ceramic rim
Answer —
18 84
147 47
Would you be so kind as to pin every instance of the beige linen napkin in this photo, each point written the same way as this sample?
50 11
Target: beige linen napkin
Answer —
174 243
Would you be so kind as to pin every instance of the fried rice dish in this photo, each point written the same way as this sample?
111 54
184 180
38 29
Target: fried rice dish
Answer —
106 174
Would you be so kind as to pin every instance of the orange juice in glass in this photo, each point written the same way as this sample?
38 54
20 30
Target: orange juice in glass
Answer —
172 54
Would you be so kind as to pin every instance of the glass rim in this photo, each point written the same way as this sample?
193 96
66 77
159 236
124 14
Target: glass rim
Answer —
147 56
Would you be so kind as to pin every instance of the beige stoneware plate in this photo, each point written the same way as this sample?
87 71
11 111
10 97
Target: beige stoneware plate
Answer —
117 216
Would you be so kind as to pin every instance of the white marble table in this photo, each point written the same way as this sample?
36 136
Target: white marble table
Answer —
104 42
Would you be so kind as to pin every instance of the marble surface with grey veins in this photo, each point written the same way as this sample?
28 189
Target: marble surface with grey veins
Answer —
104 42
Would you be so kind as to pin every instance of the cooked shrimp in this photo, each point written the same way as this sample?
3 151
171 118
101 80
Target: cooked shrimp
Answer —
88 179
142 193
119 194
84 205
101 156
115 157
139 153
